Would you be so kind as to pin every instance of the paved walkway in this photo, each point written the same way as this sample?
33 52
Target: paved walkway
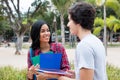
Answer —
7 57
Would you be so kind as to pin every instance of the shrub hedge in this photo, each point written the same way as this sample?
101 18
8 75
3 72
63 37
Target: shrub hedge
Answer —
10 73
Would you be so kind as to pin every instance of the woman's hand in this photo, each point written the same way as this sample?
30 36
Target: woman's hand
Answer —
31 71
70 74
41 76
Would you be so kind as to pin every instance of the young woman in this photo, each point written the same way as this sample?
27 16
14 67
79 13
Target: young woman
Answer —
41 42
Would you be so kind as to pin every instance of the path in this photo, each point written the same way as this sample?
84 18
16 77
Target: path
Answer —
7 57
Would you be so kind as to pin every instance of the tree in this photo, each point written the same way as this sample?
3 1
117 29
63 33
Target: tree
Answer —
115 5
19 23
113 25
62 6
15 20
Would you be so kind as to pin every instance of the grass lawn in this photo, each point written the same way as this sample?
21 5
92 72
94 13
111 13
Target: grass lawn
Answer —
9 73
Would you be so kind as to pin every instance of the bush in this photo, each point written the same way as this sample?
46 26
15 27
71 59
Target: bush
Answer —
9 73
113 73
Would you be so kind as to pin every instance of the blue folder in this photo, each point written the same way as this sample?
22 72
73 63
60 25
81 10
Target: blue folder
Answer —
50 61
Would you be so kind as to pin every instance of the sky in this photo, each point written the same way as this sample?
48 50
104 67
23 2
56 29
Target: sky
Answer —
24 4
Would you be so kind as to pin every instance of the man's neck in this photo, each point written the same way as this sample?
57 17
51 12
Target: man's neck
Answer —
83 33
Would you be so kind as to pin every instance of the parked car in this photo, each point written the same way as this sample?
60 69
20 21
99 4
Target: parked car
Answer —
25 39
14 39
115 39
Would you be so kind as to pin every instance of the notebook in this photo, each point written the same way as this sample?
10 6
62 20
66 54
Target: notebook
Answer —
50 61
35 60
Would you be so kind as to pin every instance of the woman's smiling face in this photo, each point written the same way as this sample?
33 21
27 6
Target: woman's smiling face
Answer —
44 33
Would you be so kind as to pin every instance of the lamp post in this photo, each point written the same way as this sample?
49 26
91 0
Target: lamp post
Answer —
100 3
105 32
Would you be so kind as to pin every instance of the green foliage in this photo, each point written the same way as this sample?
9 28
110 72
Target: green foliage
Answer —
41 7
110 22
113 45
113 23
58 32
24 21
98 22
4 27
98 26
91 1
113 73
115 5
97 31
62 5
9 73
48 17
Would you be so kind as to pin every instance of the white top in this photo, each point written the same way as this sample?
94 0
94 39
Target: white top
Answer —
90 53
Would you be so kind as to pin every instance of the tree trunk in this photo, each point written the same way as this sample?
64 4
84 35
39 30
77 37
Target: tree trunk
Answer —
19 44
111 37
55 26
62 29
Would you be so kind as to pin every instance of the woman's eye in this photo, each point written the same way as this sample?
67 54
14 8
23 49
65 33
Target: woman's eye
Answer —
42 31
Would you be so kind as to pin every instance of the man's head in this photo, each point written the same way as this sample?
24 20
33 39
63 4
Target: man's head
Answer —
83 14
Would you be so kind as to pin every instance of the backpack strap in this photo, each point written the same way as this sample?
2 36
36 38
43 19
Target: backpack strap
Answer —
31 54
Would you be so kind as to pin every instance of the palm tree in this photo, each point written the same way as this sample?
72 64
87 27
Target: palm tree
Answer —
62 6
115 5
113 25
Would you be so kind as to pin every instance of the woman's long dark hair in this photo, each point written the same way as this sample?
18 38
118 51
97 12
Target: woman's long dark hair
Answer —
35 34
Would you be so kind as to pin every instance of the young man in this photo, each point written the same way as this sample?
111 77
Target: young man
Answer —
90 54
